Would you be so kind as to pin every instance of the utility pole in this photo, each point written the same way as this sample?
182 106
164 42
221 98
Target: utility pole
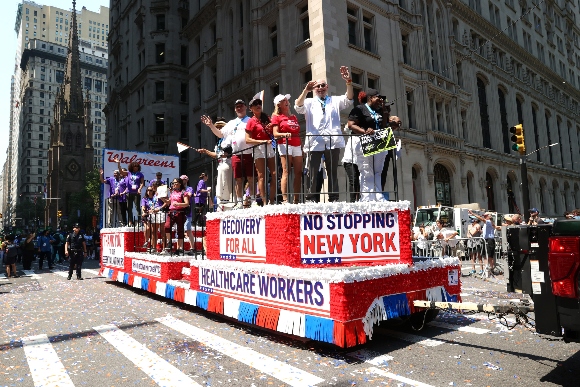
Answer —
525 187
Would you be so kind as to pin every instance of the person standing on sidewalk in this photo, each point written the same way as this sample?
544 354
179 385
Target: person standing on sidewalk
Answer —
44 249
489 236
75 249
28 251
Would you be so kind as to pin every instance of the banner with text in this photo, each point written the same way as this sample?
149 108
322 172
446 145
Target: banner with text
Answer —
243 239
113 248
383 140
353 237
146 267
151 163
298 295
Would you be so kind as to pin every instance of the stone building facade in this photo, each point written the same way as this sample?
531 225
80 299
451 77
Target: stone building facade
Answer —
459 73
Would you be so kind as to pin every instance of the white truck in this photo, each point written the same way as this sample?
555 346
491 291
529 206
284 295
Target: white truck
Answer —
453 217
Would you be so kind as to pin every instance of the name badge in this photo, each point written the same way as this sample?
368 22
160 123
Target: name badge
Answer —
134 186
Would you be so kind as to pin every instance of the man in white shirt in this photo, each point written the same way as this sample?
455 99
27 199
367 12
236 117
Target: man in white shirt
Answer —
234 134
323 130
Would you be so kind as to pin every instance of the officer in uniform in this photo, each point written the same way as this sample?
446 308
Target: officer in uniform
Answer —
75 250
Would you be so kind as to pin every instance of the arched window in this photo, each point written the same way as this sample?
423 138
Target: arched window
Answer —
78 141
483 113
489 190
504 123
555 189
536 136
442 185
520 111
542 190
68 142
547 117
414 177
560 143
470 188
511 196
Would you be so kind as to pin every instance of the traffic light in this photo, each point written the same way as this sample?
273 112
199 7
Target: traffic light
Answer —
518 139
59 213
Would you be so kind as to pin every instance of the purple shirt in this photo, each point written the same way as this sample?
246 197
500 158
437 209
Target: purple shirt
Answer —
113 183
149 203
189 191
201 197
133 181
122 188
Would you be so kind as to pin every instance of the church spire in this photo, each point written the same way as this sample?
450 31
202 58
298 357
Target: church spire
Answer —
73 91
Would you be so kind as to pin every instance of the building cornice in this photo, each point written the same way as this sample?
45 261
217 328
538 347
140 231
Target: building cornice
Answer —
196 23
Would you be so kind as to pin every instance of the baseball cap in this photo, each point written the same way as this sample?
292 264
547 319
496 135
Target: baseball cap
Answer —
239 101
76 225
373 92
116 171
533 209
184 177
281 97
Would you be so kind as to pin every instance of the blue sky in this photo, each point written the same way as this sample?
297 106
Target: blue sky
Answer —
7 22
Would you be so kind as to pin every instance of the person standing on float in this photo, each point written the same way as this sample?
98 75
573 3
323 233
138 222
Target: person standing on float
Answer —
135 182
365 119
323 131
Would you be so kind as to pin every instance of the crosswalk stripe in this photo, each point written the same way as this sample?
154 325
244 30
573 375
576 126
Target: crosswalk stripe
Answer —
400 378
371 357
163 373
444 325
45 367
61 273
279 370
412 338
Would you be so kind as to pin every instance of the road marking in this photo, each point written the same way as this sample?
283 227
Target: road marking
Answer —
61 273
163 373
45 367
281 371
371 357
440 324
403 379
31 274
412 338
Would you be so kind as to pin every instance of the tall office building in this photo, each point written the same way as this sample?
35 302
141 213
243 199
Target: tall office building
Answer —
460 73
42 38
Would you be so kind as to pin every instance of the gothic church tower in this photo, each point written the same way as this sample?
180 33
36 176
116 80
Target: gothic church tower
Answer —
70 154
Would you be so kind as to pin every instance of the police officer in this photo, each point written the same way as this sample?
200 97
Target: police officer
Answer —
76 250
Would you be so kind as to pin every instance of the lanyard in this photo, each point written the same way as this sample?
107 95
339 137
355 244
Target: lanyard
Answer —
323 103
239 122
374 115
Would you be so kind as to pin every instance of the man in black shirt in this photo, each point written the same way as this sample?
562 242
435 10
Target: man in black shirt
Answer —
76 250
365 119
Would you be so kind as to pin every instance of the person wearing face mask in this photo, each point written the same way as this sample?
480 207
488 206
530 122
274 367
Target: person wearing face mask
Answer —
323 131
365 119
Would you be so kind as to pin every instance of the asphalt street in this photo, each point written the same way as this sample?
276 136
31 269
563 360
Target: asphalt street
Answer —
96 332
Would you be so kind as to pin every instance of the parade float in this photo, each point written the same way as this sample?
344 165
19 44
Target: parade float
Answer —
327 272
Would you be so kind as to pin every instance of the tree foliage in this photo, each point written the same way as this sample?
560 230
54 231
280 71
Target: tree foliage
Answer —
83 205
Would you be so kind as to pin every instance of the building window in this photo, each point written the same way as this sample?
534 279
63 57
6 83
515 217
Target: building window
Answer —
274 40
184 56
160 22
159 91
405 43
536 135
88 83
159 124
160 53
483 113
368 32
550 153
504 123
198 90
442 185
305 22
352 24
183 94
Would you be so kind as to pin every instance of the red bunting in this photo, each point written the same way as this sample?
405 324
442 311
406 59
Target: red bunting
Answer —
268 317
152 286
179 294
215 304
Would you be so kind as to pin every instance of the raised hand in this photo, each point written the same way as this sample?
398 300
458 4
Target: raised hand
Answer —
310 85
344 73
206 120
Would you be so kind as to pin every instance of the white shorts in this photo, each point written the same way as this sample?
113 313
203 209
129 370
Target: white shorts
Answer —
259 151
290 150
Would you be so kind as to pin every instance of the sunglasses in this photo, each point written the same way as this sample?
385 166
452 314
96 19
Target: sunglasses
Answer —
320 86
257 104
